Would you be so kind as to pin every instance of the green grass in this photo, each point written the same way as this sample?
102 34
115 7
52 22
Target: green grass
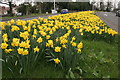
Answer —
99 59
31 15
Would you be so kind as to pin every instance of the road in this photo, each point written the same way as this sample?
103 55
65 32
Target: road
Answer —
42 16
110 19
45 16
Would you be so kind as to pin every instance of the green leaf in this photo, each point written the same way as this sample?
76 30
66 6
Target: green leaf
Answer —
21 70
52 54
2 60
71 74
78 68
50 59
67 76
16 63
106 76
10 69
48 56
95 73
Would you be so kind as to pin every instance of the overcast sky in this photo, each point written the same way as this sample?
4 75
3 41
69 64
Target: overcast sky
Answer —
21 1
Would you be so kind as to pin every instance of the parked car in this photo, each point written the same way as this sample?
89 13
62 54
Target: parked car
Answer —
64 11
118 13
18 14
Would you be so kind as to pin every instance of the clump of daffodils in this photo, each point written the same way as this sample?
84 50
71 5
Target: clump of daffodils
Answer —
57 33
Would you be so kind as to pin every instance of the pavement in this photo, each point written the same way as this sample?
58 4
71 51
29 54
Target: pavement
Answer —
110 19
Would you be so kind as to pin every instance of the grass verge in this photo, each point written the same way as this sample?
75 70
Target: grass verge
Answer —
24 16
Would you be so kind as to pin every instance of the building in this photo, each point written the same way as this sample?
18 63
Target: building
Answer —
4 8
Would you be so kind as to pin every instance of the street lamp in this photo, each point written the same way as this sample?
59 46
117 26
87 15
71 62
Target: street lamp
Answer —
26 9
54 4
115 4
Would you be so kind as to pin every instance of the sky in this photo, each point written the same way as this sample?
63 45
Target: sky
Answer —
17 2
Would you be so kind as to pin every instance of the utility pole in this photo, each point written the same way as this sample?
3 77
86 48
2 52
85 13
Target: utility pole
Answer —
115 4
54 4
93 2
26 5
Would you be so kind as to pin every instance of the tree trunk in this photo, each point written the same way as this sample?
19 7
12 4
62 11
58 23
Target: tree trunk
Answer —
10 6
40 6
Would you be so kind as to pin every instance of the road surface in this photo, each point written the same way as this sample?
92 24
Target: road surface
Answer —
42 16
110 19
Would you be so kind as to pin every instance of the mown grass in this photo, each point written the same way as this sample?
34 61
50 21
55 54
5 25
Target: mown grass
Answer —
24 16
99 59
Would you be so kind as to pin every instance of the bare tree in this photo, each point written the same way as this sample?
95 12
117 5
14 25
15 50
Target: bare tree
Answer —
102 6
39 5
10 6
109 5
93 4
119 5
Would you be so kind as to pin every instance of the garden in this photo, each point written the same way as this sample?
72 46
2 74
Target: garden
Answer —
73 45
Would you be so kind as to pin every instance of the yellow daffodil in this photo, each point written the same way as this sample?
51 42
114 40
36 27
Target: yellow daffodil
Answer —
64 46
57 49
74 44
79 50
15 28
5 37
25 52
24 35
50 43
80 45
56 60
39 40
15 42
4 45
8 50
36 49
48 37
73 38
20 50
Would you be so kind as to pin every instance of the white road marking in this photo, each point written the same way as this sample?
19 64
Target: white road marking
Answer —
105 14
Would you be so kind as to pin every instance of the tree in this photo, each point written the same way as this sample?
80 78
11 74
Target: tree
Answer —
109 6
102 6
79 6
34 9
25 9
47 7
93 4
63 5
10 5
39 6
97 6
119 5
